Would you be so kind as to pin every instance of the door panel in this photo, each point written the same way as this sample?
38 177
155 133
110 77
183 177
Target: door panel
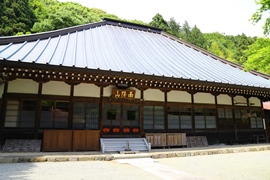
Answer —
121 119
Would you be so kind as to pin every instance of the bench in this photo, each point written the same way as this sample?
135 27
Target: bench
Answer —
259 138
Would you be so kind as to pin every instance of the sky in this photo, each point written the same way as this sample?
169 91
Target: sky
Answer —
230 17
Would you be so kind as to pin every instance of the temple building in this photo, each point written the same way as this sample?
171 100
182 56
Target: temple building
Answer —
125 80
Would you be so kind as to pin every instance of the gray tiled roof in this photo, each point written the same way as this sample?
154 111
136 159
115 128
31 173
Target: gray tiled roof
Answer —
131 48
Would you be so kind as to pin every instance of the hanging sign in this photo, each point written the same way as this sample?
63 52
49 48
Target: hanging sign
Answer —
123 94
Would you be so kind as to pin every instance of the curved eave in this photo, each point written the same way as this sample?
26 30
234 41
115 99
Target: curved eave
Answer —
214 56
22 67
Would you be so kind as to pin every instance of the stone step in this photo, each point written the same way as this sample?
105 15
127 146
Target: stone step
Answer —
124 144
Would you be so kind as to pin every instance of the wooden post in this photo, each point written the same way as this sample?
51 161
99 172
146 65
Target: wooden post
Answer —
38 109
141 113
70 109
166 110
3 111
216 114
192 114
248 111
233 115
101 109
264 123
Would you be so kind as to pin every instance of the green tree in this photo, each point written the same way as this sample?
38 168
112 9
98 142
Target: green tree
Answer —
61 15
102 14
242 43
216 49
15 17
174 27
196 37
258 56
220 45
54 15
185 31
257 16
159 22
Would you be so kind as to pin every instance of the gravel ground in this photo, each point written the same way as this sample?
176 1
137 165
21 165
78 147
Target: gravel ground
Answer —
87 170
240 166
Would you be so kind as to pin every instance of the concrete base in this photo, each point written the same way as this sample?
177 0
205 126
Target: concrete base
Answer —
129 152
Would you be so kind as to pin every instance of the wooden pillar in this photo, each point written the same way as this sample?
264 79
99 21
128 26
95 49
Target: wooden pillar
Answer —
38 109
216 114
3 111
166 110
264 123
101 109
70 109
192 113
141 113
233 116
248 111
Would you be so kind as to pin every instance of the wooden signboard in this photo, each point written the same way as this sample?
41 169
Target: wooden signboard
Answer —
123 94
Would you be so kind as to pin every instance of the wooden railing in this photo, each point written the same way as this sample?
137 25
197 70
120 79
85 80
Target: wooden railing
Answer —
166 139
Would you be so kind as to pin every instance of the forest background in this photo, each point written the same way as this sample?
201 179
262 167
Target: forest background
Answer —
34 16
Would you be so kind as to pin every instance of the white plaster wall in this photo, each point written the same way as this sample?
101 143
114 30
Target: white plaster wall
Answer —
240 101
56 88
179 96
224 99
205 98
137 92
22 86
153 95
256 101
87 90
107 92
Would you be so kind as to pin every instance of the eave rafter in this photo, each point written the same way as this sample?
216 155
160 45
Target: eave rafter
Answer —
75 76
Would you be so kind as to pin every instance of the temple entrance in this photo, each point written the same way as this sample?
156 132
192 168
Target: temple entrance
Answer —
121 120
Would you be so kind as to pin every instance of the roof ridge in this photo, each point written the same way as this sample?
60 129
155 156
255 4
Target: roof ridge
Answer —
132 25
55 33
44 35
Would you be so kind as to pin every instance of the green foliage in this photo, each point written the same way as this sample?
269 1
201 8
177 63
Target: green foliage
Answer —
174 28
229 47
102 14
15 16
159 22
242 43
217 49
257 16
61 15
220 45
196 37
138 22
185 31
258 56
